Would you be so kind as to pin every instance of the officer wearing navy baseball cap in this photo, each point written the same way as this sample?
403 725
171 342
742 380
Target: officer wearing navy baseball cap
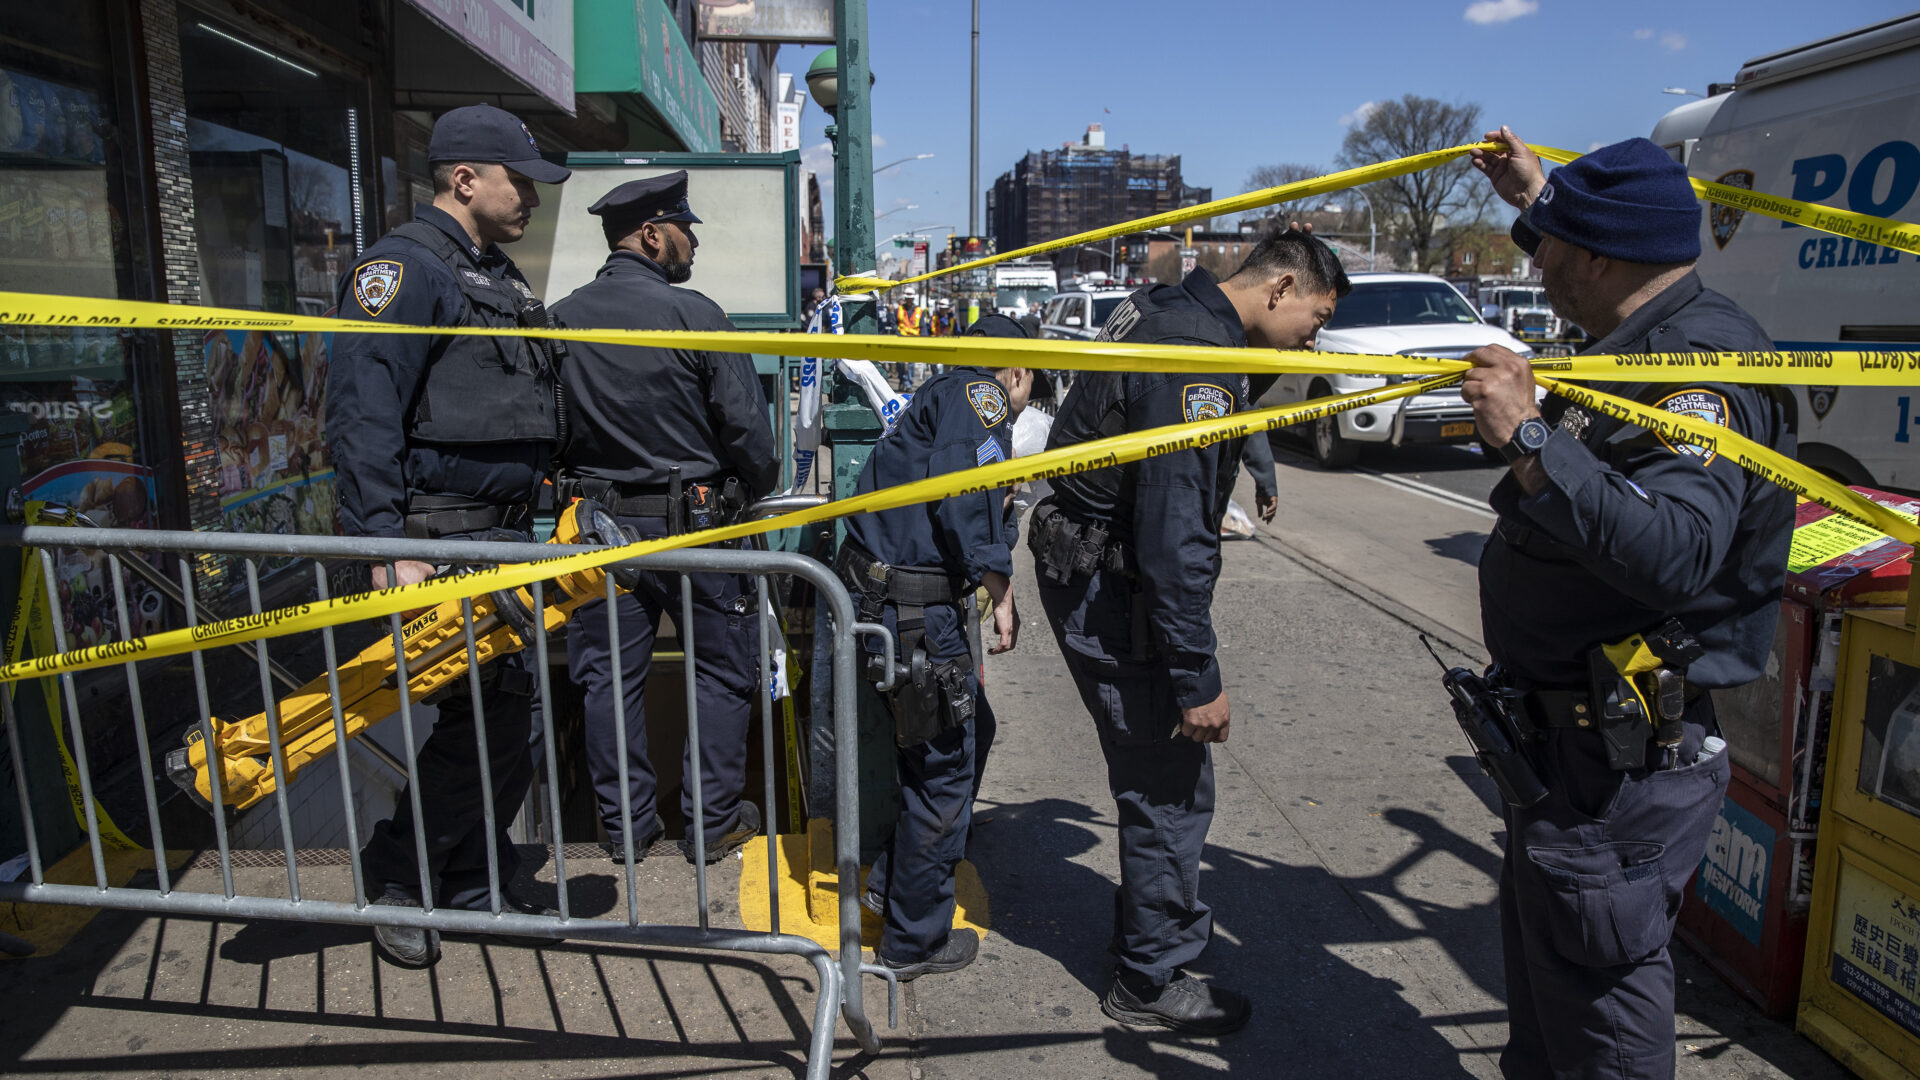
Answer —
448 437
670 441
1610 534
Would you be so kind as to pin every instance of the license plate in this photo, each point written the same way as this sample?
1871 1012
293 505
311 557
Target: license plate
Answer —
1451 431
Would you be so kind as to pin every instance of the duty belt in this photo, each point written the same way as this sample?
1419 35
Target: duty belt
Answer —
727 498
1543 709
1067 546
430 517
907 585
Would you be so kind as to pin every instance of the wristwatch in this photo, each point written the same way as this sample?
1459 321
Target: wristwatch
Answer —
1527 439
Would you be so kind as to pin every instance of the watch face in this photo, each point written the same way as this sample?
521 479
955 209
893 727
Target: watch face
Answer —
1532 434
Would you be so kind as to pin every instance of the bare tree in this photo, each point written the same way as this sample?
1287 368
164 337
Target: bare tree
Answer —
1425 208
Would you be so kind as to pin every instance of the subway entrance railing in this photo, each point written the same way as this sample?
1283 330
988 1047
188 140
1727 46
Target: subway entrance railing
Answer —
485 629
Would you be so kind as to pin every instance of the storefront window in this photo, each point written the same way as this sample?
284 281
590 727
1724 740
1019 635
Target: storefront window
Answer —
277 152
1890 746
62 230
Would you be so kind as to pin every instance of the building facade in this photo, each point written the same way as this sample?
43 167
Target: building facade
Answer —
1081 186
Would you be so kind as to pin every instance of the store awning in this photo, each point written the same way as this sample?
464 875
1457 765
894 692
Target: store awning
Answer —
517 54
634 47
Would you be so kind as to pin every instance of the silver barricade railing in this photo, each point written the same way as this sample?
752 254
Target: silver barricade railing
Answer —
839 975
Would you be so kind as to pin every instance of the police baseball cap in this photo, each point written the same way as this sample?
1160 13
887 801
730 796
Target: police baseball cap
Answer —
1630 201
1001 326
484 133
656 198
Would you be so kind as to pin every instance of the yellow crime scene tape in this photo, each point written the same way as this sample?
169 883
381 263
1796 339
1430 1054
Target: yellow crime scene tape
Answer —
1082 457
1869 369
1874 230
1839 368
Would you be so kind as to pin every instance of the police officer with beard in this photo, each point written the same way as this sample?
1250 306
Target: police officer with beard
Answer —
1627 576
1127 557
670 441
448 437
915 568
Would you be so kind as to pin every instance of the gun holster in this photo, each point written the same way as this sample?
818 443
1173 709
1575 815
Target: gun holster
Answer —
1639 691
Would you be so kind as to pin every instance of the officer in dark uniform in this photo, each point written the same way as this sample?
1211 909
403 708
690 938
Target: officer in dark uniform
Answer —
1127 557
449 438
1607 531
671 441
915 568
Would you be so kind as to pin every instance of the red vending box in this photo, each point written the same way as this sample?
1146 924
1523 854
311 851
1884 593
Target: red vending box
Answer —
1746 909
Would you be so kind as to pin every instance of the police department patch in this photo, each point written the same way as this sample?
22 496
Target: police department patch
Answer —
1701 405
989 401
988 452
1204 401
376 284
1724 220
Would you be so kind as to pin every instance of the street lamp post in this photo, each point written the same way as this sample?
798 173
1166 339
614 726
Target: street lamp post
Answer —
897 209
1372 235
902 161
839 86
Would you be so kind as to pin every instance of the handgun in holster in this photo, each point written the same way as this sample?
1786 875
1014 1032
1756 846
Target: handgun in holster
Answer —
1640 692
1487 717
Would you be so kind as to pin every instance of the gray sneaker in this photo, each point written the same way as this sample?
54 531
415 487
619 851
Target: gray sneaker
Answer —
745 829
961 947
1185 1005
406 946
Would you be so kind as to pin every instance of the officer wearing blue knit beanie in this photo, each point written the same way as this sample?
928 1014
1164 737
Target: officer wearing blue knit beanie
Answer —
1606 531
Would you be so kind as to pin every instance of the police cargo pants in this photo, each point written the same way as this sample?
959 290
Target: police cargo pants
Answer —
724 643
446 771
1162 782
914 869
1589 892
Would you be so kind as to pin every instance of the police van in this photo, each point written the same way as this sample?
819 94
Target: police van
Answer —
1836 122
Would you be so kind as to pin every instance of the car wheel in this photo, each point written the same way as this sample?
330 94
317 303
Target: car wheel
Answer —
1331 450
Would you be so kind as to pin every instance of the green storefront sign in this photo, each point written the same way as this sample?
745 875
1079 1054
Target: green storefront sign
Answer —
633 47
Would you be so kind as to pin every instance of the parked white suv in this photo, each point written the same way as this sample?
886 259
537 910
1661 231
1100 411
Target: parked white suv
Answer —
1078 314
1393 314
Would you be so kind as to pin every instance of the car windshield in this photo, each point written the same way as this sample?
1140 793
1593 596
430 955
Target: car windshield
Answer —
1103 308
1522 298
1400 303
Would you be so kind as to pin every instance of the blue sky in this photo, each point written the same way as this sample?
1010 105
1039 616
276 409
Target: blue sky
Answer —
1231 84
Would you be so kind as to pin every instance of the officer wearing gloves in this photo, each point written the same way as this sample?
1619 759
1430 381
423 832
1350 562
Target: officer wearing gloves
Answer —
1127 557
1627 576
916 568
670 441
448 437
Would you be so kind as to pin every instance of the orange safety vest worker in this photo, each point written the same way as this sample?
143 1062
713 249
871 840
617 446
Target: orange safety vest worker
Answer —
907 319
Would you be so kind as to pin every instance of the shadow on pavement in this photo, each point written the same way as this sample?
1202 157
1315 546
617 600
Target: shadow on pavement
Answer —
1462 546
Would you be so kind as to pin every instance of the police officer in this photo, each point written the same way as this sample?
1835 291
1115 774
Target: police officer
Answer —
448 437
1607 531
915 568
1127 557
670 441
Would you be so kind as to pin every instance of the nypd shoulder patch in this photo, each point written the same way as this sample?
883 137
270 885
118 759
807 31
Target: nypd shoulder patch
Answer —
1700 405
988 452
989 401
375 285
1205 401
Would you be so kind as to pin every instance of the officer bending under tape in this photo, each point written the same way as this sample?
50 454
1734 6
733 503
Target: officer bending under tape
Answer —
915 569
1626 577
670 441
1127 558
447 437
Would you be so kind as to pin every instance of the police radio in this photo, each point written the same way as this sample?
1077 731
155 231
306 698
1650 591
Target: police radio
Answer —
1484 717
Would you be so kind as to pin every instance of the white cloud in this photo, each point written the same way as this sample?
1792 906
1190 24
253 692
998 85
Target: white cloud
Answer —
818 158
1594 145
879 141
1360 113
1643 34
1674 40
1499 11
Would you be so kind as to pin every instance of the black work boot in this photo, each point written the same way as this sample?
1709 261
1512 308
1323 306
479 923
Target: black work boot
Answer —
745 829
617 851
1185 1005
961 947
874 900
406 946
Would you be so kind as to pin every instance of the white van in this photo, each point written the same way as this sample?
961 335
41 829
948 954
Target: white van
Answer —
1835 122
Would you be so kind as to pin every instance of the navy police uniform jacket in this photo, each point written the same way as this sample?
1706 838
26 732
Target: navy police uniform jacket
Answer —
1631 529
1166 509
376 384
957 420
639 411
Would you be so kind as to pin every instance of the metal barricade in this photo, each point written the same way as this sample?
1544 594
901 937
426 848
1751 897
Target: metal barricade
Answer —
839 976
